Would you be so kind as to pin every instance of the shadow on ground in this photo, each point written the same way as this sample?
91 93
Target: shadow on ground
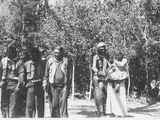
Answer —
146 110
88 111
88 114
85 111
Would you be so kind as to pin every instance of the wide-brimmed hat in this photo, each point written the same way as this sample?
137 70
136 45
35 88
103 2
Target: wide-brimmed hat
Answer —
101 44
59 48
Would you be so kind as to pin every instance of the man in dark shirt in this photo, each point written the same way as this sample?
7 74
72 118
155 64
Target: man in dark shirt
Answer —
56 76
35 92
99 68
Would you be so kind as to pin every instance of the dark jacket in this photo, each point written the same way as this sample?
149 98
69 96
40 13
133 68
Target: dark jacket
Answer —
34 72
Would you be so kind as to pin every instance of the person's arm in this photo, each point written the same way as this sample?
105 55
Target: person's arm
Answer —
105 66
21 75
121 63
0 71
2 82
46 75
68 75
94 68
4 68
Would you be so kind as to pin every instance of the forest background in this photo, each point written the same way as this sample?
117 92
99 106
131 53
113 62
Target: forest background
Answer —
129 26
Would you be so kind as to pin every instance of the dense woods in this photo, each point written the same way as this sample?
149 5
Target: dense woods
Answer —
129 26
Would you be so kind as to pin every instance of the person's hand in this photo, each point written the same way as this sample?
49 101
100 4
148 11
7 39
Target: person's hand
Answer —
2 83
117 87
101 73
17 89
153 84
95 77
44 84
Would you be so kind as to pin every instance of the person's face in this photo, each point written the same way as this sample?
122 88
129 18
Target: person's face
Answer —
120 57
57 53
101 50
12 53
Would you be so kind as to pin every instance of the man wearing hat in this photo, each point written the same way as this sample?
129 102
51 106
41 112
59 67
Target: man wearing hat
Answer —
56 75
99 68
34 88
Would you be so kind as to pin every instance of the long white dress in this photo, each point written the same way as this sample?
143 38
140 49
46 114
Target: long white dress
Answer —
116 102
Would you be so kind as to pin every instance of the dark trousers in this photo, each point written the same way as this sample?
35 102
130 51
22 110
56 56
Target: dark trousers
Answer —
100 95
4 102
9 103
35 100
58 100
12 102
21 103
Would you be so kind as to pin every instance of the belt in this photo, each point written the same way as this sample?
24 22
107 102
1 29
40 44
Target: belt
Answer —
58 84
35 80
12 79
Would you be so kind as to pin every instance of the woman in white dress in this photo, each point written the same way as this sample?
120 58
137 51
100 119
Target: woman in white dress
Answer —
116 91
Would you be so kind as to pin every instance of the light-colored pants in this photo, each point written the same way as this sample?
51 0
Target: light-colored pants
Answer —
100 94
116 101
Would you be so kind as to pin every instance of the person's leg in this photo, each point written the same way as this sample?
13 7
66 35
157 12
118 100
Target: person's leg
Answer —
123 97
63 102
40 100
4 102
55 102
50 101
109 110
30 102
21 100
104 98
13 103
96 93
99 98
48 91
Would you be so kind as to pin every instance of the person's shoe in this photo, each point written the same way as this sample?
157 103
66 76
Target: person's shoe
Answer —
98 114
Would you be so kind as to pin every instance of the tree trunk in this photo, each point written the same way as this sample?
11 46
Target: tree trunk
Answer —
147 76
90 69
73 77
90 86
129 80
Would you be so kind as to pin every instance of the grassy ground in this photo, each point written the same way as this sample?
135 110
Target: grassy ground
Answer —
84 108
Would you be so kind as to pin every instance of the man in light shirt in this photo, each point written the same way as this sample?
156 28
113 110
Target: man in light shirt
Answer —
56 75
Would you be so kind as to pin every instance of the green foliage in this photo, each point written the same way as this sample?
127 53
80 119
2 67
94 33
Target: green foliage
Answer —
122 25
129 26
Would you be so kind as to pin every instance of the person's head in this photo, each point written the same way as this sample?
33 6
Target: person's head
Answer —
5 37
43 54
101 48
26 54
11 52
35 54
120 56
58 52
5 52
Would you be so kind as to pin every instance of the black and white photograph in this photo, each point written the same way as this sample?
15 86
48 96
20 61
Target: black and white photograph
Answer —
80 59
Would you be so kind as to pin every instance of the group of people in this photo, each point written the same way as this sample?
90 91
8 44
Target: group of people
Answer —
109 78
25 77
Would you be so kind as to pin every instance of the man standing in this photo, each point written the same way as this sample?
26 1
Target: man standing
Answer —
100 72
11 81
56 76
35 92
4 103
